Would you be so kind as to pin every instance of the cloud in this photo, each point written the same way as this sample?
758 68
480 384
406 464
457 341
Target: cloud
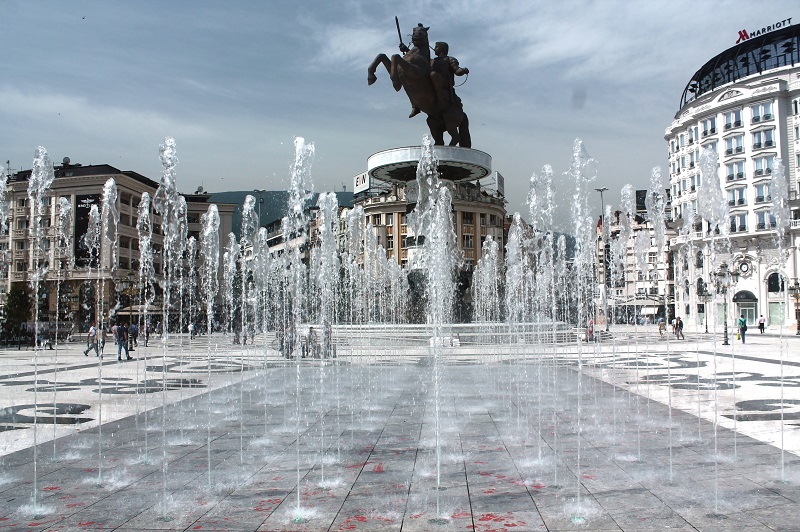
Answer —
81 115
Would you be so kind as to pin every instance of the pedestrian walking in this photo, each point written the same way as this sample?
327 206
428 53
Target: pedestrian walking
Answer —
91 341
122 342
135 334
679 329
662 326
761 323
742 323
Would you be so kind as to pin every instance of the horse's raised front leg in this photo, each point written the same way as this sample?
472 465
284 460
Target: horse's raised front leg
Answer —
382 58
394 71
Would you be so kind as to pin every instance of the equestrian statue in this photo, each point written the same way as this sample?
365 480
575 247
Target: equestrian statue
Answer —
429 85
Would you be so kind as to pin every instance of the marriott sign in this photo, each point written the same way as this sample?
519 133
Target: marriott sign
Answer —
744 34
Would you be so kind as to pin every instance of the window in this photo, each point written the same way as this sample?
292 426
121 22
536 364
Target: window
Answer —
733 119
734 144
762 111
469 241
735 170
22 224
763 139
698 261
738 222
736 196
389 218
22 203
775 283
376 220
389 242
711 146
21 266
20 245
763 193
764 164
765 220
709 126
468 218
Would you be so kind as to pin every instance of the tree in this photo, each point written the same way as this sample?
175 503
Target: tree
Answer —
19 303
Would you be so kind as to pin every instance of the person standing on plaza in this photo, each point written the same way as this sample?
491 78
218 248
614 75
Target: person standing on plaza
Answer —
91 340
122 341
679 329
742 323
761 322
662 326
135 334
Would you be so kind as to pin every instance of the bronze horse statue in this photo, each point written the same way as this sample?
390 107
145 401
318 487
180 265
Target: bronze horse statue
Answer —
412 72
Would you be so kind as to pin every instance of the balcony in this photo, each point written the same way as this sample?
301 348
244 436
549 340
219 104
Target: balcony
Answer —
731 203
733 228
728 126
730 177
759 172
769 143
729 151
756 119
740 175
756 145
740 201
739 149
737 123
767 116
742 228
761 225
692 188
759 199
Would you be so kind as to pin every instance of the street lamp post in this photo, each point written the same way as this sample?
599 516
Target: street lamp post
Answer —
795 291
722 287
260 202
725 279
605 245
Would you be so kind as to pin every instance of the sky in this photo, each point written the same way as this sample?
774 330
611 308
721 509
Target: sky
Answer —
234 82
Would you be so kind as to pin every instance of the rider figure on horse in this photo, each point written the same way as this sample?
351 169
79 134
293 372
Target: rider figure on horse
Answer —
443 70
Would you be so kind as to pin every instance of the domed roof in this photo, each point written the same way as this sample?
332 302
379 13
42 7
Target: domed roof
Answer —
755 55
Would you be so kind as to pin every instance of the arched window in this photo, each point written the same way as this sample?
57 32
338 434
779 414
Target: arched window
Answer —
775 283
698 261
701 287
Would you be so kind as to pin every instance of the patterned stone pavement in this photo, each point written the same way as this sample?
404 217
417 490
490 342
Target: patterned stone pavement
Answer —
578 437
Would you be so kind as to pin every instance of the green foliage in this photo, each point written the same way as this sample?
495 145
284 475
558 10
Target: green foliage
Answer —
19 304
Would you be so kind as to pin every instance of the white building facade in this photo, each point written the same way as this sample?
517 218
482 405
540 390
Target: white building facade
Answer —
744 104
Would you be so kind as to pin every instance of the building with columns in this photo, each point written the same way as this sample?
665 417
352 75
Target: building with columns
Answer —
744 105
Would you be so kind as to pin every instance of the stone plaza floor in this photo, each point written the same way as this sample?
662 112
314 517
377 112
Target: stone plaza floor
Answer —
635 433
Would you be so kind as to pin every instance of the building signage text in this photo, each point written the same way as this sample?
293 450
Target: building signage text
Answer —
744 34
361 183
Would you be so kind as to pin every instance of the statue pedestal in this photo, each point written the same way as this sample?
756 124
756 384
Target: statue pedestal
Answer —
399 165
